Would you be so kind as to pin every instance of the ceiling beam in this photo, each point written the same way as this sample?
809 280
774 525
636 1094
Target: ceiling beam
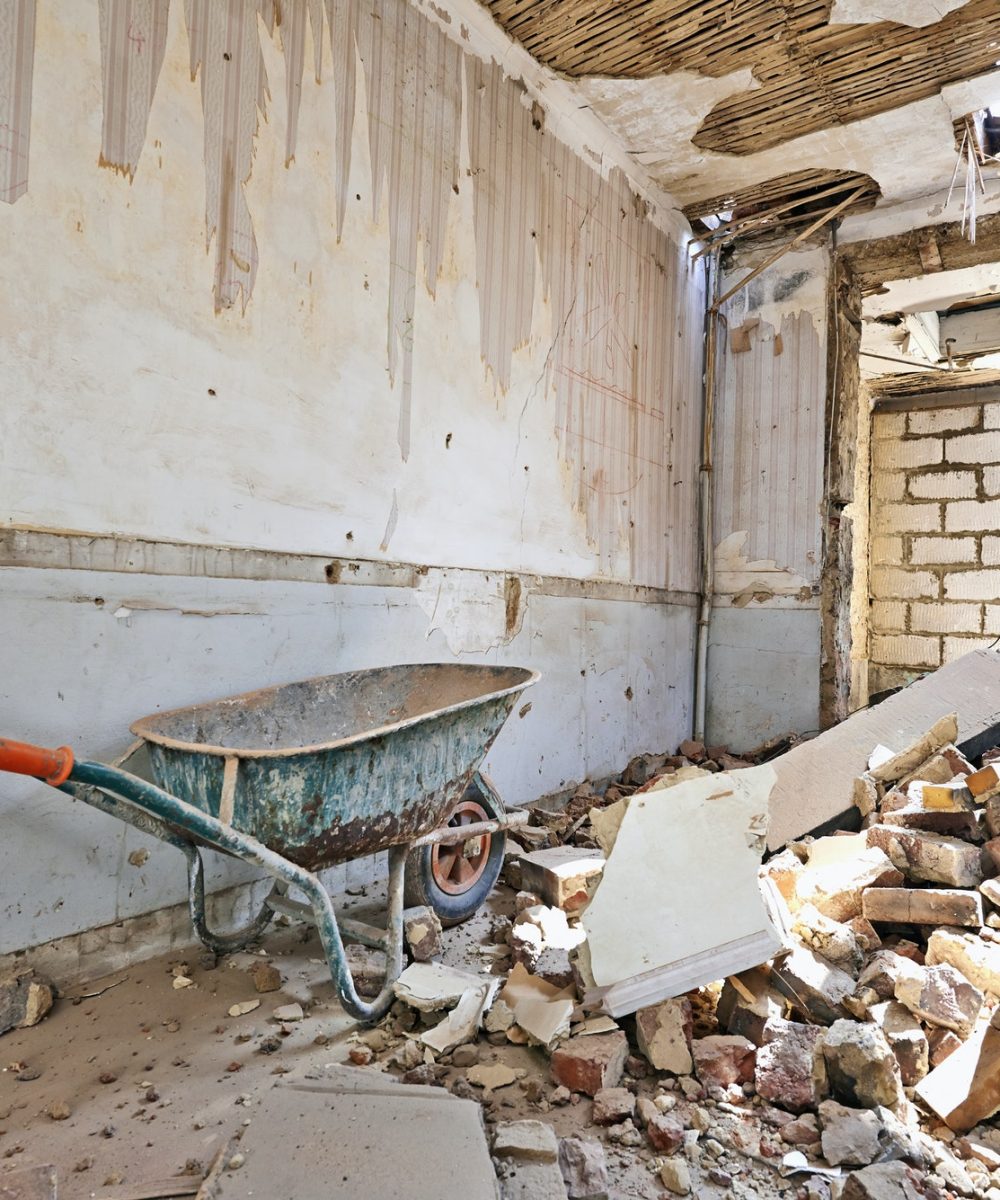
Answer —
899 257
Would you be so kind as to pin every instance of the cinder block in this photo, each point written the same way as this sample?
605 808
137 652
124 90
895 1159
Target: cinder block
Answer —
972 585
891 583
991 551
888 615
945 618
955 647
973 448
944 420
888 425
991 481
906 650
893 455
888 486
991 617
943 485
973 515
991 416
943 550
888 549
907 518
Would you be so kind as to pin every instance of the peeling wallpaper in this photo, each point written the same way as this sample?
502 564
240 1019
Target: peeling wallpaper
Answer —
17 56
133 42
625 308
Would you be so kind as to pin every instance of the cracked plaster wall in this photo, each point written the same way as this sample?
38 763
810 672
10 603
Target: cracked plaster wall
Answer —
438 336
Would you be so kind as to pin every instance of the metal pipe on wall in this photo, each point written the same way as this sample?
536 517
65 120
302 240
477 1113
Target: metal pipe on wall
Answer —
705 508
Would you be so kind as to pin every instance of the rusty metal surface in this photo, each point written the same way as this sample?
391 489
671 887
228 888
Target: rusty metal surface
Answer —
341 766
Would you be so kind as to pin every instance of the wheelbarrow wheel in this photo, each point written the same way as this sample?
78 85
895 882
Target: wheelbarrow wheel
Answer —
455 880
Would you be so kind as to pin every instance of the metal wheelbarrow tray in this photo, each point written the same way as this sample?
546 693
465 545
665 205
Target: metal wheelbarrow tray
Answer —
306 775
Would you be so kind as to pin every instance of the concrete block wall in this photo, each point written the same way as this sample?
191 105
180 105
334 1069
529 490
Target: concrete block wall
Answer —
935 544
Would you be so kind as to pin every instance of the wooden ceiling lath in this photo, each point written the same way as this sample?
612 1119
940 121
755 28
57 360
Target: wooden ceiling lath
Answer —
811 75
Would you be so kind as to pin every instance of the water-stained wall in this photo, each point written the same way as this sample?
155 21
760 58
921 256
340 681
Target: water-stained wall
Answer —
768 492
323 350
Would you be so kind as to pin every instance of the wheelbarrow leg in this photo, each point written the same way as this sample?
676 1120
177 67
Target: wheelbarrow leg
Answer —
218 943
333 945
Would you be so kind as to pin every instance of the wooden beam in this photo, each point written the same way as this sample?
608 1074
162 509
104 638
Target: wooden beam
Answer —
899 257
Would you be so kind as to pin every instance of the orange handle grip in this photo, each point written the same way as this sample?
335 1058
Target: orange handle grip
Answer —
21 758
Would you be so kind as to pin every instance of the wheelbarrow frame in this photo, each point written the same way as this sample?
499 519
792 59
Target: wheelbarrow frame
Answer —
157 813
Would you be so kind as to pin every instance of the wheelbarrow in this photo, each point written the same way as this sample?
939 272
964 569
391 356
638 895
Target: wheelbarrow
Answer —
300 777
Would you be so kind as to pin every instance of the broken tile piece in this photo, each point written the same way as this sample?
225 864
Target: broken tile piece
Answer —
491 1076
430 987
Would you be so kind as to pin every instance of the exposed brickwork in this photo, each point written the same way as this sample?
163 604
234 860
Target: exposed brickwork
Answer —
935 549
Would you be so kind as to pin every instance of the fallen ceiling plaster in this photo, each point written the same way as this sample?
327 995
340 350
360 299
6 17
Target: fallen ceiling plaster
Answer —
909 151
916 13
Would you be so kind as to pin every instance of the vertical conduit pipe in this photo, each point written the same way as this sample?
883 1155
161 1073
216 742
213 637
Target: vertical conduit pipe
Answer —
705 506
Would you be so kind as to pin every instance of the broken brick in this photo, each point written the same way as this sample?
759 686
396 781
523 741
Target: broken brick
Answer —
25 998
923 906
941 1043
790 1069
747 1003
587 1064
665 1132
612 1106
584 1168
850 1135
861 1066
561 875
785 870
832 940
815 988
525 1141
941 996
933 857
663 1033
977 960
885 1181
723 1059
836 888
906 1036
423 933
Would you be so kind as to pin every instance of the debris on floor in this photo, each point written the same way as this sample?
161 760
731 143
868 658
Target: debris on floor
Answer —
852 1053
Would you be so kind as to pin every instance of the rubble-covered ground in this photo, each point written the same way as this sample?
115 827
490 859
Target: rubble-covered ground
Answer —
821 1074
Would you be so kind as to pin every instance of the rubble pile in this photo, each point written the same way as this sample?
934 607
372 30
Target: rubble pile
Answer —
862 1061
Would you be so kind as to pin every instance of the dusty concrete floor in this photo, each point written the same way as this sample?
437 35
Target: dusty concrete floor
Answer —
157 1078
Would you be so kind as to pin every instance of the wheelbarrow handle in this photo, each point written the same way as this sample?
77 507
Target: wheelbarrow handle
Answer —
21 758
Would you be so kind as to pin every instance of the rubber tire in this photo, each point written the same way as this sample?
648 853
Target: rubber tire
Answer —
421 888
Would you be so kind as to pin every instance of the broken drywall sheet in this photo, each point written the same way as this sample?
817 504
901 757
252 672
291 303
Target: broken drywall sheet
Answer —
17 58
916 13
133 43
655 927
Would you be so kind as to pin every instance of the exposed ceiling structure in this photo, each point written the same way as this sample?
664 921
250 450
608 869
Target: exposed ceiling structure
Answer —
718 99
